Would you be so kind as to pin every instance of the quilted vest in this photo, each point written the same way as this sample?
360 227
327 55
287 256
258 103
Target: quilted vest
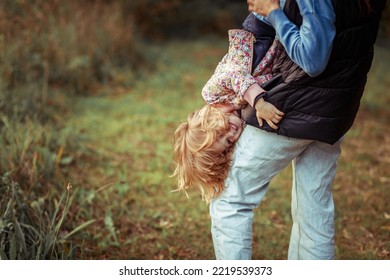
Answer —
323 108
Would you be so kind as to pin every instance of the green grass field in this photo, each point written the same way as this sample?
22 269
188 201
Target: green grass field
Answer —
116 152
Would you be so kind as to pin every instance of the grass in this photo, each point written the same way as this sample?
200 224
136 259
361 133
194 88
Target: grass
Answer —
132 135
116 150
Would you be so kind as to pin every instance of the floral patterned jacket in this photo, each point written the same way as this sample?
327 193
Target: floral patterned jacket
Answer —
233 75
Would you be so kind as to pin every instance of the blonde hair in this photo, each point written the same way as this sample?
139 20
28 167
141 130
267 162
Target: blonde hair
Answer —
197 164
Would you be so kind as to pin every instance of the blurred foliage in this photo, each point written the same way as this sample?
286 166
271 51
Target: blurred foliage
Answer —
156 19
72 44
385 23
77 46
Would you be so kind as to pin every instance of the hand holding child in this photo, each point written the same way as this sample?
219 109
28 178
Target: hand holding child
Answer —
268 112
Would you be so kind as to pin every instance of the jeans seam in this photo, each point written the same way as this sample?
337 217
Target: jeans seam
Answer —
298 220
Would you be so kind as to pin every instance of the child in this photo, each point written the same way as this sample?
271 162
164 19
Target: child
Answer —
247 64
203 145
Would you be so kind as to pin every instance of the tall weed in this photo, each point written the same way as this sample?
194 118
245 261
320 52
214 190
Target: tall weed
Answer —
31 229
33 204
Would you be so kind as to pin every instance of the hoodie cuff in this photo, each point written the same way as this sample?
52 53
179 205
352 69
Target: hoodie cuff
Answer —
274 15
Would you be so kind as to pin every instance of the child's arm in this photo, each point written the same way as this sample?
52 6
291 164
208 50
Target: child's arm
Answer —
234 86
228 84
268 112
232 76
264 110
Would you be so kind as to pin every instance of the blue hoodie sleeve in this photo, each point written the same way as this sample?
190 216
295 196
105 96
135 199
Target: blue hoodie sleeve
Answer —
309 45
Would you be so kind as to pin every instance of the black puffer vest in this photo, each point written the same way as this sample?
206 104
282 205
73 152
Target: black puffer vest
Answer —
323 108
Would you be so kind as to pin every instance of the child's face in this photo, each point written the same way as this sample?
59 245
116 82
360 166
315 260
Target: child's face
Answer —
228 138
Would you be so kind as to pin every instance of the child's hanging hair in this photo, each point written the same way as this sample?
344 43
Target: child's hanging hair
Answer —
197 164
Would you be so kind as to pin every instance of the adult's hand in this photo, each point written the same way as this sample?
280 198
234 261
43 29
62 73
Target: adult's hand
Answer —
263 7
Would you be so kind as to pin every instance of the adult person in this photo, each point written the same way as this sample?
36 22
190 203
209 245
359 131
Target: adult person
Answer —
325 54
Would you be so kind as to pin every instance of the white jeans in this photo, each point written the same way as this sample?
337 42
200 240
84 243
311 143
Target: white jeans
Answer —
258 157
